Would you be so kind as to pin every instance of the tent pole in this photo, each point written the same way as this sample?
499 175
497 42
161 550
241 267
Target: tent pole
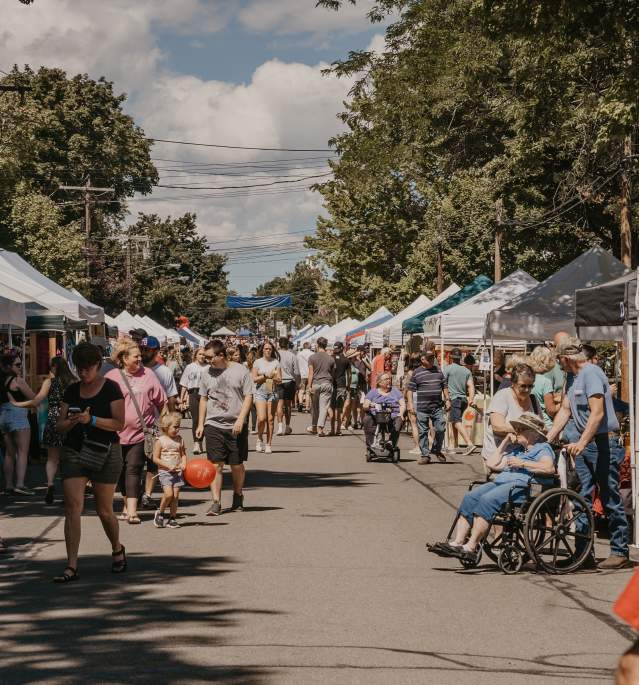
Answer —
634 427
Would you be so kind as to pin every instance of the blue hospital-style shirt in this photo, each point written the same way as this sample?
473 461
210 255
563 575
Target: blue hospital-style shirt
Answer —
521 475
591 380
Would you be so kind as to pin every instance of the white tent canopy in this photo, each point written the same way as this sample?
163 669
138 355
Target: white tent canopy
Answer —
21 276
378 314
390 332
223 331
549 307
333 333
149 323
110 321
126 322
308 335
466 322
338 332
12 313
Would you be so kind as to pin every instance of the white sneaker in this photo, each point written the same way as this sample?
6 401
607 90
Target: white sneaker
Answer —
267 449
280 429
253 432
258 446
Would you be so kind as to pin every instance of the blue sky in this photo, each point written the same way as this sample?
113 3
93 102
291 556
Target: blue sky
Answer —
234 72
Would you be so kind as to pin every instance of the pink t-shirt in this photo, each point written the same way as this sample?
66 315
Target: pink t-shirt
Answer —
150 396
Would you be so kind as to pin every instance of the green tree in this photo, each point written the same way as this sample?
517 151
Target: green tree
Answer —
472 102
65 131
173 273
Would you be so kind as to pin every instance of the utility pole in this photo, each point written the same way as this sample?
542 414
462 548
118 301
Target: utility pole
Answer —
626 225
440 258
499 217
128 274
88 189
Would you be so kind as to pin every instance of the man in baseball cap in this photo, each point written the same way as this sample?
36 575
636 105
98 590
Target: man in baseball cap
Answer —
149 347
595 442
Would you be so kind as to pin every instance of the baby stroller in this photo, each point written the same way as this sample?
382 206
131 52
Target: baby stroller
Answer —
382 446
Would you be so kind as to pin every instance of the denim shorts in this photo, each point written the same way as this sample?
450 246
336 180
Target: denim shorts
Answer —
172 480
262 396
13 418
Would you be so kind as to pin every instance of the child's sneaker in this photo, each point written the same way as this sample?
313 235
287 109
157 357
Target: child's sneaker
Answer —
158 519
172 523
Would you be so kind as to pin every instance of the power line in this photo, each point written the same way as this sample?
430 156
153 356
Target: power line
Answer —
237 147
255 185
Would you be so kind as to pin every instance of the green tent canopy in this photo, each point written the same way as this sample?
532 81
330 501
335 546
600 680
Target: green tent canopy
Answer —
416 323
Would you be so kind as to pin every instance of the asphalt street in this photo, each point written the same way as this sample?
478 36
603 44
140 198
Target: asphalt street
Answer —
324 578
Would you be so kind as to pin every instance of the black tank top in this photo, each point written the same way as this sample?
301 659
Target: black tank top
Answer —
5 391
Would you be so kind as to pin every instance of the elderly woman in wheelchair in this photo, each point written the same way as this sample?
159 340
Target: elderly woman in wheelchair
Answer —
554 529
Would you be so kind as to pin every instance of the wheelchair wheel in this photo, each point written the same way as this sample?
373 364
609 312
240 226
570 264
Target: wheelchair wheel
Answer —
510 559
559 531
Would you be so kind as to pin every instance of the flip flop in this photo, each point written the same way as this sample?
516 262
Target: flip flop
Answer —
134 520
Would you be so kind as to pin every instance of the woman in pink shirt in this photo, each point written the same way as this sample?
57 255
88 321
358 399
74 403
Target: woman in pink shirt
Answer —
151 398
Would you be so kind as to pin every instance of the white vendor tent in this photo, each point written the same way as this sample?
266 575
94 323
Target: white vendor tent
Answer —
549 307
308 335
337 333
21 276
378 317
126 322
13 313
222 332
390 332
333 333
466 322
148 323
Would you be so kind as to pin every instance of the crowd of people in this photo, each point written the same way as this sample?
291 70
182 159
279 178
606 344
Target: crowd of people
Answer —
114 423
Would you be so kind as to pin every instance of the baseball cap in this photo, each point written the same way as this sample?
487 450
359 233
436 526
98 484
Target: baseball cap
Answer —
138 333
455 353
568 347
150 342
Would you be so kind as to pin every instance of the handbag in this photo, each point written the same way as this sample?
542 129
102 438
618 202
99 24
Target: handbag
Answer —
149 438
92 455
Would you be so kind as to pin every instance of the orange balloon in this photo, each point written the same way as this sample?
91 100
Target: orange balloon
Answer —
200 473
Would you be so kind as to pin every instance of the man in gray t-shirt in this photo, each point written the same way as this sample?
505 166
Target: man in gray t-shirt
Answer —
286 390
226 396
320 380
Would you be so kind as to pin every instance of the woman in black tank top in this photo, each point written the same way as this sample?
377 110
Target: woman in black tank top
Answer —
14 424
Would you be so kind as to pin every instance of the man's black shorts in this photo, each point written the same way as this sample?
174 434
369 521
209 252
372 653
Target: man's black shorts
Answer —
286 390
339 397
457 408
223 446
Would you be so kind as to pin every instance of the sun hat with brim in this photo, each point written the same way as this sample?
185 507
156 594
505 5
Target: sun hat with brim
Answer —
529 422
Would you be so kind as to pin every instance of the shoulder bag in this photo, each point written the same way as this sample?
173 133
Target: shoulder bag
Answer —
149 437
92 454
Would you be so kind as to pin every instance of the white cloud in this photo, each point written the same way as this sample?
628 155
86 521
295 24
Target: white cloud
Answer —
296 16
377 44
284 104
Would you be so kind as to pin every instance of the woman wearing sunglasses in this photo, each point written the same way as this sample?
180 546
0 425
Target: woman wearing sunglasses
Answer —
14 424
509 404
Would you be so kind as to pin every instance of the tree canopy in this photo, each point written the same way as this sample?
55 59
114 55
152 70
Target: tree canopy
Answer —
474 102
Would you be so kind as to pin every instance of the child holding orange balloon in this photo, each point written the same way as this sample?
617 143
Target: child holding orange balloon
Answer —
169 454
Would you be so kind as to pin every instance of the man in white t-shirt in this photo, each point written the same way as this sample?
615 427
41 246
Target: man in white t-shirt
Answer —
302 364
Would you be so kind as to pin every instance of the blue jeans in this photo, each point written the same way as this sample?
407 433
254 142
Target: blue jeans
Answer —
424 418
599 465
487 499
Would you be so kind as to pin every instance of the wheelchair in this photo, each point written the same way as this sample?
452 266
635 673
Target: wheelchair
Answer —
542 530
382 446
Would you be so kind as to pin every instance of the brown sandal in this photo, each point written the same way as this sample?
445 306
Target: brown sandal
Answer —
134 520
